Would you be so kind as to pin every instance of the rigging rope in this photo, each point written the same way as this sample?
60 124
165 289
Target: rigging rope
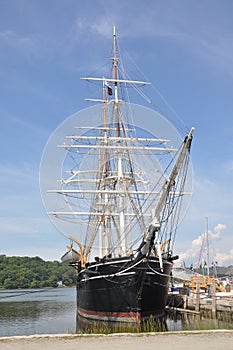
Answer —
183 127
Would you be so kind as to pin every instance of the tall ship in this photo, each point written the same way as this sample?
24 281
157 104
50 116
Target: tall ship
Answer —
121 192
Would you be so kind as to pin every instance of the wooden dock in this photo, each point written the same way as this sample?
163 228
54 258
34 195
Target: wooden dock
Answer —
216 305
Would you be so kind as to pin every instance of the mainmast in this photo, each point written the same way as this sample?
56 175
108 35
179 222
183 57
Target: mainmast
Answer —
120 181
115 61
103 172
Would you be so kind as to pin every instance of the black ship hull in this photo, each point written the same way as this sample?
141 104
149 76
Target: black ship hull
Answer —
123 290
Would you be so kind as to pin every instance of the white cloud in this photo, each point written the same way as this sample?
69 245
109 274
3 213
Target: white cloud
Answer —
225 258
138 20
198 245
218 231
102 26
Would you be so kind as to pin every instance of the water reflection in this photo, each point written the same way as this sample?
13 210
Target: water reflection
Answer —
201 322
92 326
175 321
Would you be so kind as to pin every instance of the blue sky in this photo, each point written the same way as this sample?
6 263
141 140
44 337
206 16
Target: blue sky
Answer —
184 47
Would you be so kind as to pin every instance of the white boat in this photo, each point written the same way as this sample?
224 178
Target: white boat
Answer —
70 257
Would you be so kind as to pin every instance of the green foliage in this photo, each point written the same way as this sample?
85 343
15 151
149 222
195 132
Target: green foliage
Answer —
25 272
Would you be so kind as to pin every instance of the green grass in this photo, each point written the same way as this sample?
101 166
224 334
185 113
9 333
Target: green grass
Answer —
186 322
205 322
150 325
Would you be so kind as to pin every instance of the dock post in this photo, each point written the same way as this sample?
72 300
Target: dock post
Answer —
185 297
197 306
213 286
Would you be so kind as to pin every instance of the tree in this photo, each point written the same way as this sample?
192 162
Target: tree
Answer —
25 272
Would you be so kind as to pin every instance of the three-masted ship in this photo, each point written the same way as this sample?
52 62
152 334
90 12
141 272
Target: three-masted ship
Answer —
119 193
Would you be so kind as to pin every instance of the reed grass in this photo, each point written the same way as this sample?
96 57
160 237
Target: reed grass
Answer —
149 325
204 321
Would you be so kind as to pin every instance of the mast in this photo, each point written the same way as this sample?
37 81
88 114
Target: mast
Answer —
207 247
120 181
115 61
103 171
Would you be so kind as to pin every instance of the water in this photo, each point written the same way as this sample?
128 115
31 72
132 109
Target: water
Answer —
53 311
50 311
37 312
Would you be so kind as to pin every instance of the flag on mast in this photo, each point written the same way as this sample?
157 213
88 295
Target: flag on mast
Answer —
108 88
